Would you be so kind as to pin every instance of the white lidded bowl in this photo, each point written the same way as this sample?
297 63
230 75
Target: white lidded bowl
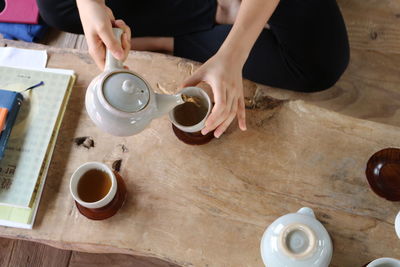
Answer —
397 224
384 262
296 240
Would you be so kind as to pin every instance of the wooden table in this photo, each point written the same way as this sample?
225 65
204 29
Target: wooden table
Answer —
209 205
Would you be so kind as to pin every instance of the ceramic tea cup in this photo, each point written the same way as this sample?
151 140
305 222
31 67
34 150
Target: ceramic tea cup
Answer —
384 262
383 173
84 170
197 93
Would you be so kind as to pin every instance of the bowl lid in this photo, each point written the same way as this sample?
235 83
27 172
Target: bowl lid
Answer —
126 91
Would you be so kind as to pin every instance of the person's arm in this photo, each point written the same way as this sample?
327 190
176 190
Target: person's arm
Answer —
97 22
251 20
224 70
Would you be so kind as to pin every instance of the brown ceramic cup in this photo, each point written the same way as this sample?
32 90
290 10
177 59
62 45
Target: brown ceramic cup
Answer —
192 138
383 173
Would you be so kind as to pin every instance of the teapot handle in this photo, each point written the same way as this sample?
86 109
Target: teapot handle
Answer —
111 62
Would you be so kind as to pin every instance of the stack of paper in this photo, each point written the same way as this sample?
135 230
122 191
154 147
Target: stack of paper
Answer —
24 167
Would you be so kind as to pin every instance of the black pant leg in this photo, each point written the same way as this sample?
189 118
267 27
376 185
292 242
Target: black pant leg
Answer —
313 36
305 50
165 17
61 14
266 63
145 18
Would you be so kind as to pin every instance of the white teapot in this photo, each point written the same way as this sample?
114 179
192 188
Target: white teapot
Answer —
121 102
296 240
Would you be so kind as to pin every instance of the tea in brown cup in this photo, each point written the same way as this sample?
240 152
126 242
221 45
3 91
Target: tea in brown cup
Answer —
189 119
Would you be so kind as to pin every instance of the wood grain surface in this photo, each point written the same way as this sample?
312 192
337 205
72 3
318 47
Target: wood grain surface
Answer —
372 24
209 205
79 259
6 246
23 255
369 89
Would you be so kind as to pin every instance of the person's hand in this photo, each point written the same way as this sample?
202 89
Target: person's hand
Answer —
97 21
225 79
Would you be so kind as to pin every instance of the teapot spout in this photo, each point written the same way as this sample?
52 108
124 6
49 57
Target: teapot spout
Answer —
307 211
165 103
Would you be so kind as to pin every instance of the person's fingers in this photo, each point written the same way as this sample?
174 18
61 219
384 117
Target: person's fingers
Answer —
125 45
241 114
96 50
220 99
122 25
231 116
110 14
193 79
126 36
107 36
219 116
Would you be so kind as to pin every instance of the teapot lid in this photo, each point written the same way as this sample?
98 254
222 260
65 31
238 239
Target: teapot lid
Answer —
126 92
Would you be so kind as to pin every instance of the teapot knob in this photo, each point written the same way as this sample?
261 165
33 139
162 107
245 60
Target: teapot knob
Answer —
128 87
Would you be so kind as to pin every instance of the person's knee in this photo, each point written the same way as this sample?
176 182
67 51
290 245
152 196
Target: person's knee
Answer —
59 14
325 77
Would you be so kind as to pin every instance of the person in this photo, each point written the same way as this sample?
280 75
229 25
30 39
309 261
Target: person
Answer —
298 45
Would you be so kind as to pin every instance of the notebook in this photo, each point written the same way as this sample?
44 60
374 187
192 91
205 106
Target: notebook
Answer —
27 157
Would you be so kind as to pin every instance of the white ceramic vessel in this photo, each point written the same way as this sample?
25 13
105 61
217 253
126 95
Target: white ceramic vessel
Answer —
77 175
121 102
384 262
296 240
199 93
397 224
